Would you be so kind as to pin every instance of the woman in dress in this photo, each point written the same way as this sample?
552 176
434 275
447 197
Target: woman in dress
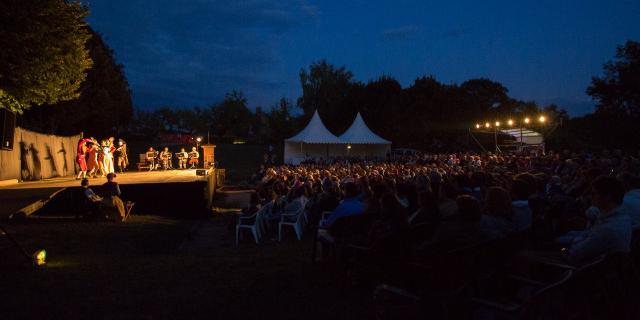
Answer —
107 157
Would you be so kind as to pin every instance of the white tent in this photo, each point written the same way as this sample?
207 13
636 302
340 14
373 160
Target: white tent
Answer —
314 141
526 136
363 142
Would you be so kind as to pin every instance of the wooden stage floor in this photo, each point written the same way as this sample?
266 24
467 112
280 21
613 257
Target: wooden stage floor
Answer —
30 195
135 177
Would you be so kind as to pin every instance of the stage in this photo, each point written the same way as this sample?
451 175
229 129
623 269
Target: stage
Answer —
160 187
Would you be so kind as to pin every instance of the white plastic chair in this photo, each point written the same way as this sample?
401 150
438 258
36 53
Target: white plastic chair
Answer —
257 225
297 224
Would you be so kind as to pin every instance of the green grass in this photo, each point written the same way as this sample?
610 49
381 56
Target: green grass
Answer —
137 270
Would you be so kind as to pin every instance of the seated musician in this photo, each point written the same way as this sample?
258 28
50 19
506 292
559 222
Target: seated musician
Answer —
183 156
194 156
151 158
165 156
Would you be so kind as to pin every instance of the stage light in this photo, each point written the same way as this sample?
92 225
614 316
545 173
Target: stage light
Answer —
39 258
477 126
349 147
526 120
542 119
487 125
510 122
198 139
497 123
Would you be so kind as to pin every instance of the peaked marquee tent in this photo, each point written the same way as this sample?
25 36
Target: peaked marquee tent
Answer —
363 142
314 141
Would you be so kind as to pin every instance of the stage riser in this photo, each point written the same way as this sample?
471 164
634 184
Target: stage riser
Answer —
179 200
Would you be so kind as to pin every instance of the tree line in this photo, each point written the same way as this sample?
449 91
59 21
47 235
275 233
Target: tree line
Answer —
61 77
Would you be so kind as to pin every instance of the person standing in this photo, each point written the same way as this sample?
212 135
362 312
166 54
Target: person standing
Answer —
81 158
107 157
121 155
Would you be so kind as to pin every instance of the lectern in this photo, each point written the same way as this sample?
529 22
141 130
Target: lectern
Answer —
208 151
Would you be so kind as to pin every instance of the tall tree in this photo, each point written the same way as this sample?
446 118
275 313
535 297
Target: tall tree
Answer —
618 91
104 106
231 117
327 89
43 59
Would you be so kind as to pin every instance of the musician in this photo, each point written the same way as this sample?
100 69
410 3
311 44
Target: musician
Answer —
182 156
151 158
165 156
121 155
194 156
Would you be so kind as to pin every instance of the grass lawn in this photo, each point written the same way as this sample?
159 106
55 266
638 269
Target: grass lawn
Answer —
140 270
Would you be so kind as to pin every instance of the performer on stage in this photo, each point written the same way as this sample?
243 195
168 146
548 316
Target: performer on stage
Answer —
165 156
81 158
194 156
121 154
151 158
182 158
93 150
107 157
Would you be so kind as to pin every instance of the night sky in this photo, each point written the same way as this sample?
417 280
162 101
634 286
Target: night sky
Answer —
189 53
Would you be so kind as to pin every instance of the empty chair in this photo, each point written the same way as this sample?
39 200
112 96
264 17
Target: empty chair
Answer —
294 220
253 223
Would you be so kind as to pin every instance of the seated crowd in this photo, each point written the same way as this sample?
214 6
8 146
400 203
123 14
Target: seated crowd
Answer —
579 205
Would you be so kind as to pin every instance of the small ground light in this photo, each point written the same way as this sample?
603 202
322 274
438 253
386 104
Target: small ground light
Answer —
477 126
526 120
349 147
497 123
487 125
510 122
39 258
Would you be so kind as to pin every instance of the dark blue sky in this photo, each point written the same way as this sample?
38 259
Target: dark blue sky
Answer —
190 52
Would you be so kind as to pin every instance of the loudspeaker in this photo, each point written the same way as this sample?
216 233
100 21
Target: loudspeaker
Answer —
8 128
201 172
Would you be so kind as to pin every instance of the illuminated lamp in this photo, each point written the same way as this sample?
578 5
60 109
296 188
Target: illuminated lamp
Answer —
487 125
497 123
39 258
526 120
510 122
542 119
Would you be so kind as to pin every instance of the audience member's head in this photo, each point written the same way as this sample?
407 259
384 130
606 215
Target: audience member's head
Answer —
607 193
84 183
520 188
468 208
498 203
350 190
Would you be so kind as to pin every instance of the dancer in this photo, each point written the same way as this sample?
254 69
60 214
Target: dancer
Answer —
112 150
81 158
121 154
93 151
107 158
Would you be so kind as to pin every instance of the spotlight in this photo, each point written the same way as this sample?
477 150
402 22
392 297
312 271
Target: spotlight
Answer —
349 147
526 120
198 139
542 119
510 122
477 126
497 123
487 125
39 258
